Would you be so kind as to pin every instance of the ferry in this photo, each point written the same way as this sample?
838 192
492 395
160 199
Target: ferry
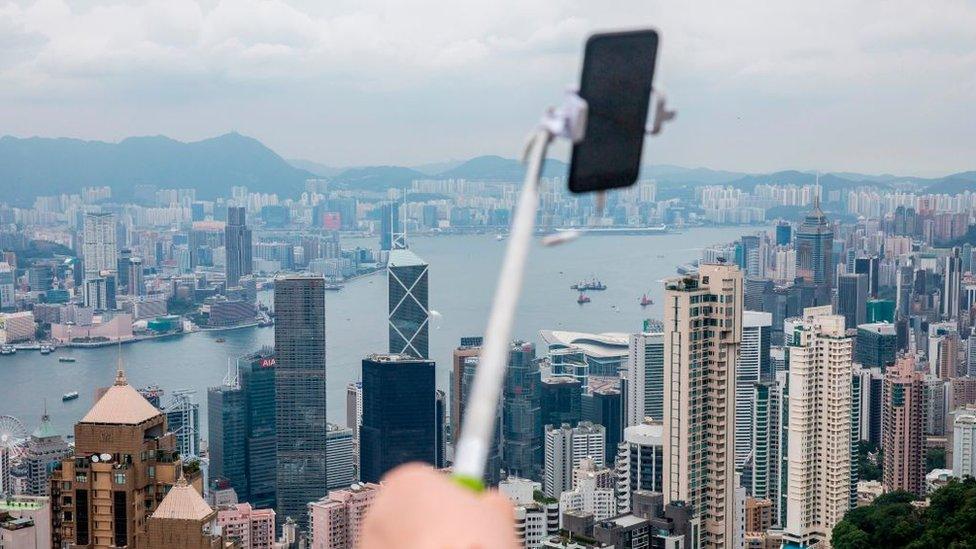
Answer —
46 349
67 359
583 298
7 349
69 396
645 301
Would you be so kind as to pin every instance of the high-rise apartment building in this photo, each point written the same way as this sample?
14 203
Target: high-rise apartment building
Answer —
819 446
644 378
336 521
399 424
903 428
768 444
943 350
753 365
566 447
237 244
250 527
640 462
702 334
300 394
964 443
522 440
409 317
100 250
124 462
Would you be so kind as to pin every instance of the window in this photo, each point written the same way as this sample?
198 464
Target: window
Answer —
119 478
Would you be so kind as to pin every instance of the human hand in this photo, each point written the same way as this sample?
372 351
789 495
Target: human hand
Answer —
419 508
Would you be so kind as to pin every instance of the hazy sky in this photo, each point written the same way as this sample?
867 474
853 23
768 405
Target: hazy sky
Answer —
760 85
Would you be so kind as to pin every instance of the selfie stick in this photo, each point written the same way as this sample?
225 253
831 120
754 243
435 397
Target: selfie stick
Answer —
567 121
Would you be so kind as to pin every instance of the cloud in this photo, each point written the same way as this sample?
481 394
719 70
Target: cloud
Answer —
760 84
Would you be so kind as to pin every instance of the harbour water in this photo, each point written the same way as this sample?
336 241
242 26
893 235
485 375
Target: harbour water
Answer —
463 273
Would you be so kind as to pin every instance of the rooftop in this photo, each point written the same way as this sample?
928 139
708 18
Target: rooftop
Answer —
605 345
183 502
405 258
121 404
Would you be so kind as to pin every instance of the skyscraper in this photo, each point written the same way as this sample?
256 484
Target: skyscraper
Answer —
560 400
876 345
100 250
398 414
227 436
753 365
604 406
702 334
409 317
819 446
469 347
494 463
45 448
869 267
521 414
814 245
256 372
768 441
645 374
8 296
391 231
300 394
903 428
852 296
237 244
951 284
124 460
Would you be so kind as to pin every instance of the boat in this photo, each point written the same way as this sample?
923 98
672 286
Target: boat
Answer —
69 396
595 284
7 349
46 349
645 301
583 298
220 340
67 359
334 286
499 237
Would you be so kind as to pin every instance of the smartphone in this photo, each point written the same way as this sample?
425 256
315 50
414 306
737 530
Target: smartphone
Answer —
618 72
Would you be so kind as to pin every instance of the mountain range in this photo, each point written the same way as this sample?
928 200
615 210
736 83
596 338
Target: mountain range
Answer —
36 166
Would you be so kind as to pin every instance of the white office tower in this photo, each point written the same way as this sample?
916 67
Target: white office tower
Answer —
819 447
753 360
589 497
964 443
100 250
535 519
640 462
702 332
341 471
645 374
7 286
566 447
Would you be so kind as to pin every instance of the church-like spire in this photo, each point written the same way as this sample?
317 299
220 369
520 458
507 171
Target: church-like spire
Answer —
120 372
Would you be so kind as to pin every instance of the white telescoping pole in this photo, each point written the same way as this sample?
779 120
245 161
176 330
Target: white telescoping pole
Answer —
477 427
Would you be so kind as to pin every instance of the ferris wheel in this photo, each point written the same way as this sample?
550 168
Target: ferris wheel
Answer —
13 437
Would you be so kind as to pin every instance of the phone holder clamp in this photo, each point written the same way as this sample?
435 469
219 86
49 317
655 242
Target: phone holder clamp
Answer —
569 119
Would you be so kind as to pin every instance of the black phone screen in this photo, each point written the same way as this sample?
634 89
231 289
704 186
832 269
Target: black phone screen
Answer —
618 72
